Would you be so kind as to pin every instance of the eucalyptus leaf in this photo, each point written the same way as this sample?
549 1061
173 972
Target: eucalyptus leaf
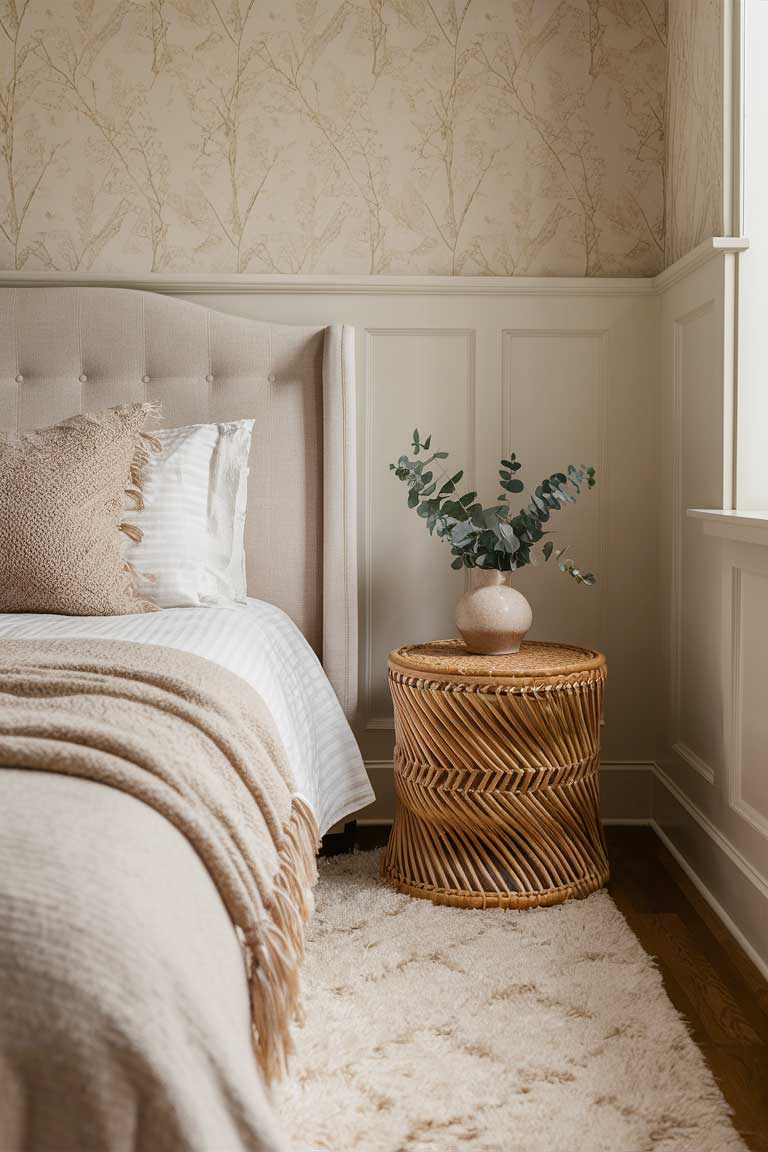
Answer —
491 537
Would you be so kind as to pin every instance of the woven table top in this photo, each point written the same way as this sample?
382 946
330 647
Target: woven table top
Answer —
536 660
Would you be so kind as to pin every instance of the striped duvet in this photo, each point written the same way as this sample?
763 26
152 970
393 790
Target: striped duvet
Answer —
260 643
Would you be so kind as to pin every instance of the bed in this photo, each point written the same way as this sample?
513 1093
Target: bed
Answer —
123 982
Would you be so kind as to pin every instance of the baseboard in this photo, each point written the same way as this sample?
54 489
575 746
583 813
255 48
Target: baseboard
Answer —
731 927
639 793
716 868
737 858
626 822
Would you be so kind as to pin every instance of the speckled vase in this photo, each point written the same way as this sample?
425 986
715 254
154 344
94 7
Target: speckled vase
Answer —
493 617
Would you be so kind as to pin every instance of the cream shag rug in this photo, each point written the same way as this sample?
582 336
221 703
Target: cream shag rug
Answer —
441 1030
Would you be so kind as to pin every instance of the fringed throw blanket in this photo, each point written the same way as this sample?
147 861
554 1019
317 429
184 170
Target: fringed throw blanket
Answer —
195 743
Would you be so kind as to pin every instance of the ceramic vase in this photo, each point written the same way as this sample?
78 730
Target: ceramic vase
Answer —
493 617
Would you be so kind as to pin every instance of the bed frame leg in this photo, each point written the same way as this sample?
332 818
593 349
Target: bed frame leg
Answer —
339 843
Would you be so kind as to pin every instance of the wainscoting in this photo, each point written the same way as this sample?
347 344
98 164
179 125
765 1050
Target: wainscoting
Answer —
636 377
710 788
558 370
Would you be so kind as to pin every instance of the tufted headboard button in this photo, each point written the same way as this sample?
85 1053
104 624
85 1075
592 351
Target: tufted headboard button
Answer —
295 381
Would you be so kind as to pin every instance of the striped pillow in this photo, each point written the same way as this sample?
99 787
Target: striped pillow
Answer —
192 523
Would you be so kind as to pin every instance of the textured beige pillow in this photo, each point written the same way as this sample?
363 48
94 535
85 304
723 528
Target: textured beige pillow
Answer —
62 494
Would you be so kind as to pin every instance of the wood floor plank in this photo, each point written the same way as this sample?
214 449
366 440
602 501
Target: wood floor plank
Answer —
638 882
740 1067
741 983
700 913
743 1075
672 891
716 1007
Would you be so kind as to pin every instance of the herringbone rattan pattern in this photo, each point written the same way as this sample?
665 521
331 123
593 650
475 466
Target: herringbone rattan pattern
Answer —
496 771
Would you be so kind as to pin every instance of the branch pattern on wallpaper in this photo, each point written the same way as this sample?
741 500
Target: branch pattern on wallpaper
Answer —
694 195
494 137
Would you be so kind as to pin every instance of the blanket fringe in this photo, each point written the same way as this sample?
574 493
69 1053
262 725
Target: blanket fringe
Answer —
275 958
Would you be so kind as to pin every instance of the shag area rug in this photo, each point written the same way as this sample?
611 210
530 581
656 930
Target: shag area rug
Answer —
442 1030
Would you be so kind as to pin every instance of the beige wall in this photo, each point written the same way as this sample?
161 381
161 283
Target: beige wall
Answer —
556 377
498 137
559 372
694 179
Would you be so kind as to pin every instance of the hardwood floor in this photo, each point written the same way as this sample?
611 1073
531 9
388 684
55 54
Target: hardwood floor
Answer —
707 976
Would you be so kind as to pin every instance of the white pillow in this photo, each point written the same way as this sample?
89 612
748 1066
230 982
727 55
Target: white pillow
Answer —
195 490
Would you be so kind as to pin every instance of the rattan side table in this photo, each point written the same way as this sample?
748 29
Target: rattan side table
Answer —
496 774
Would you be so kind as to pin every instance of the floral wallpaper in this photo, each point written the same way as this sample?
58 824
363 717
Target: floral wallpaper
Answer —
694 193
490 137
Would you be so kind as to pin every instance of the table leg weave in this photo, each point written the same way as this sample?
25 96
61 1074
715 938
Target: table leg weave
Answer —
498 792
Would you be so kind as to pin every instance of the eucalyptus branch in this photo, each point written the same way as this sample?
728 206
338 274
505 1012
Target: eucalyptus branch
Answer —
493 537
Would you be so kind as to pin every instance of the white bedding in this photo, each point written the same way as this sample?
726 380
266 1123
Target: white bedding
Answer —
260 643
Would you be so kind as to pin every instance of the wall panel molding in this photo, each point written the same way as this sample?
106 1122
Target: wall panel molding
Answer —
700 310
738 626
429 351
709 799
735 889
590 422
372 721
724 844
706 771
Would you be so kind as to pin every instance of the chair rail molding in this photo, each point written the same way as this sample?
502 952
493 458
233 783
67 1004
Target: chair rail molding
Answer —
249 284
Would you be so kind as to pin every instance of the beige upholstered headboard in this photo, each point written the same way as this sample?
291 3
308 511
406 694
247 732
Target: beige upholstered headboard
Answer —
69 350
